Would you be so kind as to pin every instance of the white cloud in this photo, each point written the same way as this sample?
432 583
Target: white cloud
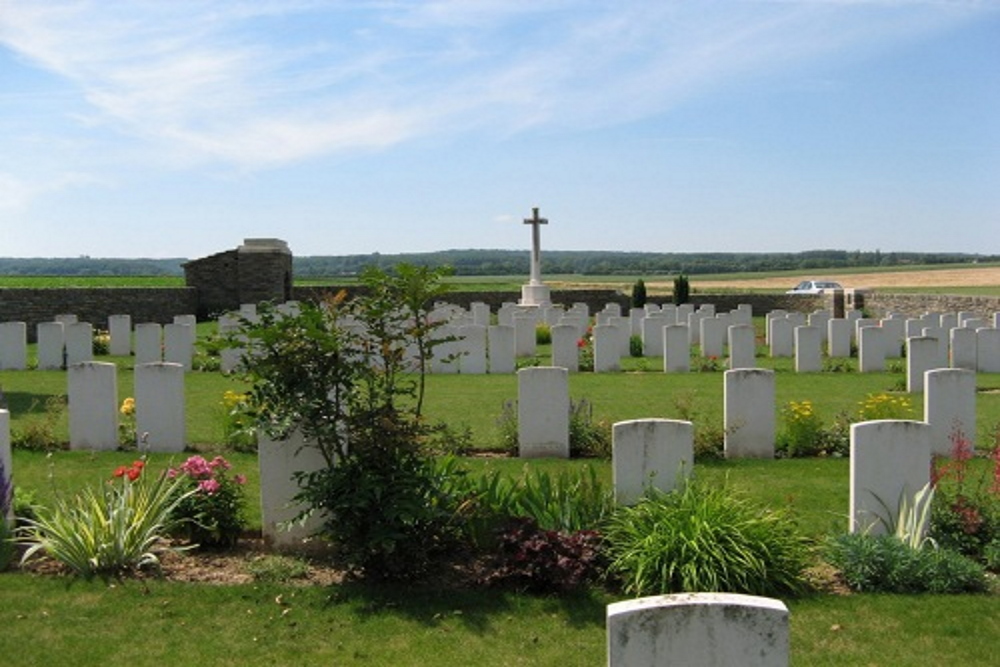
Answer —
261 84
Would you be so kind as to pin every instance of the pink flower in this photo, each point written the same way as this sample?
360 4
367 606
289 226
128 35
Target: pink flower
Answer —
209 486
196 467
171 473
240 479
219 462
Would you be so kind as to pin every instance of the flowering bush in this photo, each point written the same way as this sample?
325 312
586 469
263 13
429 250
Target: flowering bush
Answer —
802 429
213 514
237 422
884 406
965 515
585 348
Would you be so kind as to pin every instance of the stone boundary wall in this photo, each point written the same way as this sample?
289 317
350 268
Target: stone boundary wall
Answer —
878 304
95 305
596 299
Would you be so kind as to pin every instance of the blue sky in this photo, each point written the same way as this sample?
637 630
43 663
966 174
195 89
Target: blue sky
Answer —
177 129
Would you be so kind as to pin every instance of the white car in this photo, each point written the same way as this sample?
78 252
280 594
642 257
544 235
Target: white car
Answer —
814 287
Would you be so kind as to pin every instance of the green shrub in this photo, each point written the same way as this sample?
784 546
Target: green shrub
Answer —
635 348
108 531
543 334
884 564
277 569
703 538
802 430
101 343
682 289
587 437
639 294
38 434
238 428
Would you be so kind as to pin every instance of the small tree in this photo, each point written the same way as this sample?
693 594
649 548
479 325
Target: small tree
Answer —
639 294
682 289
341 372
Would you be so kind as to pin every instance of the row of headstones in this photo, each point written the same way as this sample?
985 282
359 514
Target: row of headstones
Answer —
66 341
749 408
94 412
961 341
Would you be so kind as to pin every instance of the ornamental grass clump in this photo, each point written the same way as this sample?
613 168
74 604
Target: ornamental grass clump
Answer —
708 539
110 530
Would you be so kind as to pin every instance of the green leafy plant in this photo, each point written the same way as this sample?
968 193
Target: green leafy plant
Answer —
585 351
238 429
109 531
277 568
705 538
884 406
101 343
587 437
38 434
884 564
127 437
213 512
635 348
543 334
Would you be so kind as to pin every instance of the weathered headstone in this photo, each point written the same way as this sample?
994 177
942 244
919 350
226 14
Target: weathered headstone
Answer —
698 629
781 335
652 335
988 350
749 418
713 336
839 337
890 460
871 349
607 348
93 405
159 406
963 349
525 338
543 412
650 454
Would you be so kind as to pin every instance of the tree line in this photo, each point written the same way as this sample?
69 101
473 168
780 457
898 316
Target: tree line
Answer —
515 262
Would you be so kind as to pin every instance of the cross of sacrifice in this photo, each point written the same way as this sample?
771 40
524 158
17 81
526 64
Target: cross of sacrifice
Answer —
536 245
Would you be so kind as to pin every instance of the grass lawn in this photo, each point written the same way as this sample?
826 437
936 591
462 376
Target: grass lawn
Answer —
49 620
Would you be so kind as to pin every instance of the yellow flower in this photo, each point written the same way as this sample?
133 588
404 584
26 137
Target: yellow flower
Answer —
128 406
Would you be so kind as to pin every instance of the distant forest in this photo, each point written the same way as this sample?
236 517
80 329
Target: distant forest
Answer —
516 262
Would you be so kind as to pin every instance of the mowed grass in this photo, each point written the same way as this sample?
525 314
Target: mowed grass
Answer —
50 620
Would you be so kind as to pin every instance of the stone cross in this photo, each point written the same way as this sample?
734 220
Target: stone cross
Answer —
536 245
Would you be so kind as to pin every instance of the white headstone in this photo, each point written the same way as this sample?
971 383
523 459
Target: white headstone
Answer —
472 348
808 350
698 630
782 337
742 346
501 349
950 408
565 351
93 405
13 346
178 344
895 335
525 340
79 342
923 353
650 454
278 461
148 343
839 337
749 418
120 330
51 345
713 336
871 349
607 347
543 412
159 407
988 350
676 349
963 349
890 460
652 335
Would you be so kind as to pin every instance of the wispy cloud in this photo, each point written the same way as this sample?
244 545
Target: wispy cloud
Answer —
260 84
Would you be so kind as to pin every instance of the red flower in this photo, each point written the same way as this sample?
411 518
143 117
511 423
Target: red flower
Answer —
133 473
120 471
